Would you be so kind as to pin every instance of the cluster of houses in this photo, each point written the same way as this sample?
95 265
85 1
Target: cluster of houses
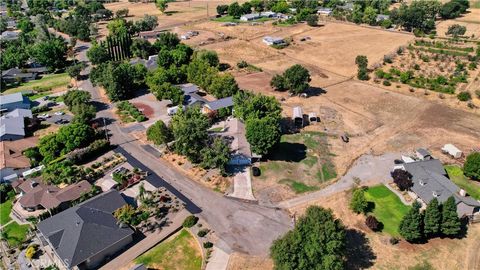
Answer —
430 180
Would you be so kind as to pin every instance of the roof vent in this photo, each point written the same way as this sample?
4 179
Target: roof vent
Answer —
33 184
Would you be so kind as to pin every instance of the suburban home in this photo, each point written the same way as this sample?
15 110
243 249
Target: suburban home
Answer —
12 160
35 195
14 101
12 125
214 106
84 236
188 88
430 181
9 35
423 154
149 34
381 17
273 41
452 150
194 99
14 75
325 11
239 146
150 63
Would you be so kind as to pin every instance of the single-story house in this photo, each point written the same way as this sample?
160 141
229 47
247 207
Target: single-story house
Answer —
239 146
15 75
273 41
250 17
381 17
35 195
150 63
347 6
188 88
12 160
325 11
9 35
452 150
12 125
84 236
430 181
149 34
14 101
213 106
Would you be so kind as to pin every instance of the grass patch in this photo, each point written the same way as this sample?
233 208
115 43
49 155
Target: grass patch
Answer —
310 160
226 19
5 209
46 83
15 234
328 171
217 129
297 186
388 208
180 252
38 95
455 173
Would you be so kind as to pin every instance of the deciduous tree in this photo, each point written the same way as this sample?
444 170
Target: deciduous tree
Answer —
471 167
262 134
358 203
159 133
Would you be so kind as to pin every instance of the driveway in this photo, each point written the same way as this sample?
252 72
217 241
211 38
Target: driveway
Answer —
54 118
242 184
369 169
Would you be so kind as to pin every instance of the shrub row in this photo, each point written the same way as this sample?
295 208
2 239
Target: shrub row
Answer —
128 107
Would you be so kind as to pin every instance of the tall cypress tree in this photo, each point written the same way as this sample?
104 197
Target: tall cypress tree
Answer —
411 225
450 222
433 218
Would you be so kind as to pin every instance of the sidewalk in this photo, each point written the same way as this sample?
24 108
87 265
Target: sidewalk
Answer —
219 259
150 241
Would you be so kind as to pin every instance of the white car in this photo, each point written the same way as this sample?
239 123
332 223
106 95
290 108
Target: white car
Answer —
44 115
59 113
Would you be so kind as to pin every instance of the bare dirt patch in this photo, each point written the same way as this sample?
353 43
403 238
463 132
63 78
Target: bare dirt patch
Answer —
145 109
471 20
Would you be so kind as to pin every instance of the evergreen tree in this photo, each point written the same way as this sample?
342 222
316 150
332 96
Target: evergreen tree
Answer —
358 204
450 221
433 218
411 225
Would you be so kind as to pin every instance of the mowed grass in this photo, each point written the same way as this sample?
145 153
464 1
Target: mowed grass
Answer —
15 234
455 173
181 252
49 81
388 208
5 209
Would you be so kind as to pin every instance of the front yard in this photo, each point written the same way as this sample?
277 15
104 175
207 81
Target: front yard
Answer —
5 209
455 173
388 208
301 161
180 251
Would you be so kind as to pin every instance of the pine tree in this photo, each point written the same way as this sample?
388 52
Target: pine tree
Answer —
450 222
433 218
411 225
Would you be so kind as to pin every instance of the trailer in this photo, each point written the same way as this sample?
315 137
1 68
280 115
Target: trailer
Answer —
298 116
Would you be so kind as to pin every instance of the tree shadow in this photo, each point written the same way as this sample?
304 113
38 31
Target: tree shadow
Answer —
359 254
290 152
99 106
370 207
315 91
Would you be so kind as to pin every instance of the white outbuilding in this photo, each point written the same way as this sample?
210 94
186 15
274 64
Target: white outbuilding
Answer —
452 150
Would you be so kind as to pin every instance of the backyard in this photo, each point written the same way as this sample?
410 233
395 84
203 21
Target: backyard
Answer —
302 162
180 251
455 173
5 209
387 208
15 234
46 83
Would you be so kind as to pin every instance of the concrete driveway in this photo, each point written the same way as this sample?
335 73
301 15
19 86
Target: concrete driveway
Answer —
242 184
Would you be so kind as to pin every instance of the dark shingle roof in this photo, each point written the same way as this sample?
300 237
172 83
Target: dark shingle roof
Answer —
220 103
83 231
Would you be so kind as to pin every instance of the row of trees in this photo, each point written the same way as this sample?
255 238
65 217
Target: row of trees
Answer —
295 79
362 62
436 220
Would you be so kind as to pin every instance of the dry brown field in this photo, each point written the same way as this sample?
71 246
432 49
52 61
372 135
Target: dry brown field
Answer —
442 254
470 20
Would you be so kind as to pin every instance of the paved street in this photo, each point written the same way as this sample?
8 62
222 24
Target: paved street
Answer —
243 227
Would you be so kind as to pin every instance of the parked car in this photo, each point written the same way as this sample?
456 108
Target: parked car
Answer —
59 113
62 121
44 116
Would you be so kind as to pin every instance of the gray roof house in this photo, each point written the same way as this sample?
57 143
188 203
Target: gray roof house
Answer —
85 235
239 146
9 35
215 105
12 125
14 75
150 63
188 88
14 101
430 181
381 17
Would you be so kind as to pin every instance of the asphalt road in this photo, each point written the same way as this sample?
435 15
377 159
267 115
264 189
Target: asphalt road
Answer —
241 226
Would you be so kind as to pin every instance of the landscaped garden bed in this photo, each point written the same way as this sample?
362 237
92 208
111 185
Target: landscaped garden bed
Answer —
129 113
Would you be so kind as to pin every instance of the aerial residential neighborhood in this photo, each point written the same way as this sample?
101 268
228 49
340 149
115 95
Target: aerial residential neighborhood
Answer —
240 134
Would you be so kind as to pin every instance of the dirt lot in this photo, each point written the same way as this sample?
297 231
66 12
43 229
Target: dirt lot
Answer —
442 254
471 20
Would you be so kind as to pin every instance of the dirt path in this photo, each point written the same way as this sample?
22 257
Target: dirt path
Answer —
473 258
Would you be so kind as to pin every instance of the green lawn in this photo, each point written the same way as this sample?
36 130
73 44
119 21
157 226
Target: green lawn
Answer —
15 234
298 187
388 208
5 209
455 173
181 252
46 83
